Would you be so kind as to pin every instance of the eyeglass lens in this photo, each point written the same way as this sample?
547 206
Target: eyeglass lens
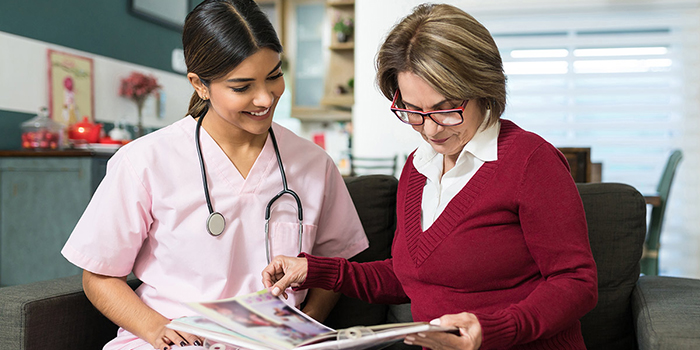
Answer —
443 118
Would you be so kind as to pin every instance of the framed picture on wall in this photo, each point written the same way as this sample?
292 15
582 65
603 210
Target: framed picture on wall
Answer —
71 84
168 13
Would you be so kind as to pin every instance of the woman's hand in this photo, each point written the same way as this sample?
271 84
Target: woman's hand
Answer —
164 337
284 272
469 330
118 302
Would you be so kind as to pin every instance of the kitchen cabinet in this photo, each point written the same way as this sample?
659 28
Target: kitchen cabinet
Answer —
42 196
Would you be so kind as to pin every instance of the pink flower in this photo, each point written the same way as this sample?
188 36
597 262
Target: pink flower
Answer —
137 86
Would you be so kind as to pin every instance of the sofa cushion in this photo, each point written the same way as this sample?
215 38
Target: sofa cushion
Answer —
51 314
375 200
616 216
667 312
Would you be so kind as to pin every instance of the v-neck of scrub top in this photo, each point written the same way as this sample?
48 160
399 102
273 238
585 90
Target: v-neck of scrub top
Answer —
216 162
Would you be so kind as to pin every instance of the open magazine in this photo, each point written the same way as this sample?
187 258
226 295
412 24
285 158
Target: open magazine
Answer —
261 321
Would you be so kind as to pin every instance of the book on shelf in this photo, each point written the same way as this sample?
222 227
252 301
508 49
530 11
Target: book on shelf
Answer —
261 321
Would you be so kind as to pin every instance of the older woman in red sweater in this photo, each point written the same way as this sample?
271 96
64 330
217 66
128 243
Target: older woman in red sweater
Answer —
491 234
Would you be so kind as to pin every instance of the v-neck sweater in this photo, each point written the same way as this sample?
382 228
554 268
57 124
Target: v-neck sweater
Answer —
511 247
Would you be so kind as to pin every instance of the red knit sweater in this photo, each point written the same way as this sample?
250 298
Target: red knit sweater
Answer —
511 247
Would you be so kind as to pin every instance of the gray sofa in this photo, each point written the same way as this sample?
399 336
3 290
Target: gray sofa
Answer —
632 312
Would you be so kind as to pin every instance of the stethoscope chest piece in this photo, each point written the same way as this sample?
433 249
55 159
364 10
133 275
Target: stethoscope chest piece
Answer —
215 224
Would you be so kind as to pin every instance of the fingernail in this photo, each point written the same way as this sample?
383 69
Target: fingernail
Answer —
196 343
182 344
410 338
422 335
435 322
276 291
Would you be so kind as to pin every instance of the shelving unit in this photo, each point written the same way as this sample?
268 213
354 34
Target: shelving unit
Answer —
319 64
341 64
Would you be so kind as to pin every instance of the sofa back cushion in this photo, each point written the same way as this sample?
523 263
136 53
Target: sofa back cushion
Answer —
616 216
374 197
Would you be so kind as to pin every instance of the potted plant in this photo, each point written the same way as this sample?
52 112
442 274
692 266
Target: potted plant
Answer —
343 28
136 87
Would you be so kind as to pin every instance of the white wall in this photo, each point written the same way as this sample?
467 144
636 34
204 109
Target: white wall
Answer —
24 83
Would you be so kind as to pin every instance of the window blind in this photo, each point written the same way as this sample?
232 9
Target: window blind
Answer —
624 84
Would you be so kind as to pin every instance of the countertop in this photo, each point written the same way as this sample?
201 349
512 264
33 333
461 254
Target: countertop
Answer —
51 153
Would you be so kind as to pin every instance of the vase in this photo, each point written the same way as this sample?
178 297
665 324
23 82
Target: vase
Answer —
138 128
342 37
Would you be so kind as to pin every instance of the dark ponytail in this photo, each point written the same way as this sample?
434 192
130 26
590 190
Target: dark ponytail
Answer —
218 35
197 105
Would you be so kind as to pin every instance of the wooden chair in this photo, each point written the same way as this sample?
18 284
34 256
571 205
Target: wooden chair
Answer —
579 161
650 255
373 165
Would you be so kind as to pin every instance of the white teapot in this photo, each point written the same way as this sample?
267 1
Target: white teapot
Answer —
119 133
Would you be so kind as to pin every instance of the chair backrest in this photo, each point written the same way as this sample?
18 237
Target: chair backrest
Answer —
616 217
373 165
650 259
579 159
374 197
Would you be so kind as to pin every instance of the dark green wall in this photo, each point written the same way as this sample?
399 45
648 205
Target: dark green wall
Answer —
10 129
102 27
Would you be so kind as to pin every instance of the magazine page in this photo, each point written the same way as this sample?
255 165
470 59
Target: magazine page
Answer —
214 332
263 317
372 337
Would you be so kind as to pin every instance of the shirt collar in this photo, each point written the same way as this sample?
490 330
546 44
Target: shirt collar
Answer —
484 145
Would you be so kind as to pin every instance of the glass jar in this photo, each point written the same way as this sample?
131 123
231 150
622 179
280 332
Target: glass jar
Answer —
42 133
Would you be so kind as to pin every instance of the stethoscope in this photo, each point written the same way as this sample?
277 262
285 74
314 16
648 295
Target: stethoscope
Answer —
216 222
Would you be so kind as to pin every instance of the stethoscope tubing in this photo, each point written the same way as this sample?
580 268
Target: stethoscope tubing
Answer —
216 223
199 154
285 190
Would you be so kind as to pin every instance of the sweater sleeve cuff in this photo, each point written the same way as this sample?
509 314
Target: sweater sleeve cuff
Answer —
321 272
497 330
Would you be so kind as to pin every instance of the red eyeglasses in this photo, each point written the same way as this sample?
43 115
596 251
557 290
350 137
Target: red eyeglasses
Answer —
445 117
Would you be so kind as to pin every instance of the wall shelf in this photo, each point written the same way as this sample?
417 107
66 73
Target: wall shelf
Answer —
344 100
321 114
350 45
340 2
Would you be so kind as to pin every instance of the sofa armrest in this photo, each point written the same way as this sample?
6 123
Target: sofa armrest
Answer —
666 312
52 314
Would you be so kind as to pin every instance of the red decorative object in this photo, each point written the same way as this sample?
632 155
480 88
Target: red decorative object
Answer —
320 139
40 140
136 87
85 130
41 133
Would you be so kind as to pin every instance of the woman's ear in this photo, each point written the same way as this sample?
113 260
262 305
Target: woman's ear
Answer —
198 86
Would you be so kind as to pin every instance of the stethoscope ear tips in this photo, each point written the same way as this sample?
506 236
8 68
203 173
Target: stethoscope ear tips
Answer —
215 224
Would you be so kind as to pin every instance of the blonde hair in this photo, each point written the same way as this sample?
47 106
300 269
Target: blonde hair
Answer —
451 51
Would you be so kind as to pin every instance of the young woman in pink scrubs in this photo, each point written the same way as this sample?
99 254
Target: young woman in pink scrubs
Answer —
149 214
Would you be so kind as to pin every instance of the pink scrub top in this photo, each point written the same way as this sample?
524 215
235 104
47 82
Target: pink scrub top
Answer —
149 216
